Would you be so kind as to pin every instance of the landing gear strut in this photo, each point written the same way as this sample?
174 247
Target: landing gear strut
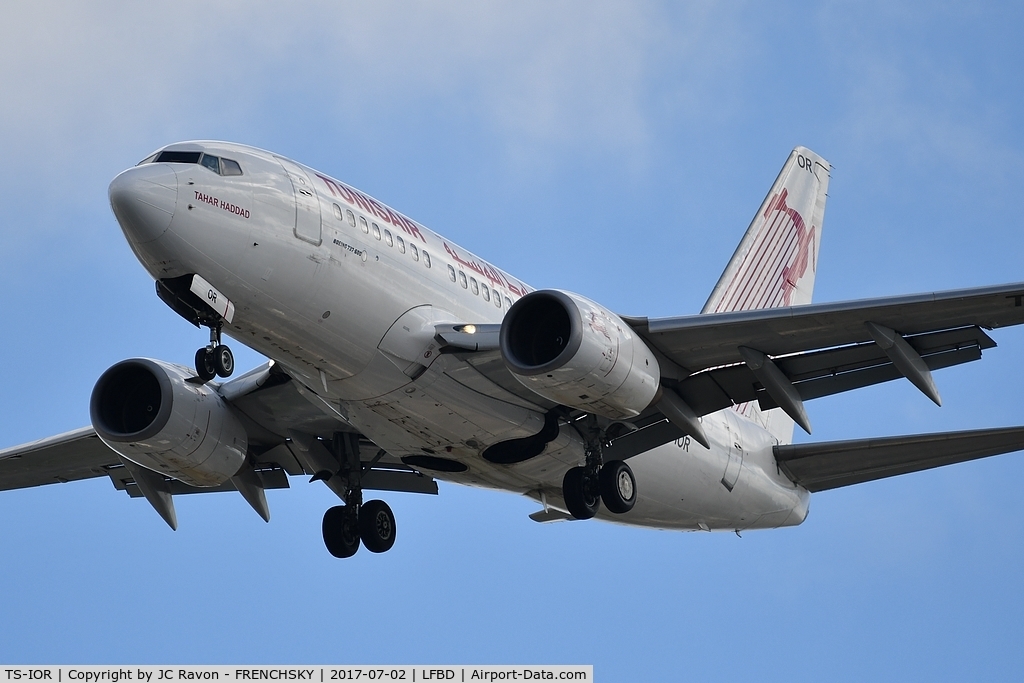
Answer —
372 522
583 488
214 359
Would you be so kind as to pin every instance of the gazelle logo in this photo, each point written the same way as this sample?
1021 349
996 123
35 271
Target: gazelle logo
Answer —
805 251
783 249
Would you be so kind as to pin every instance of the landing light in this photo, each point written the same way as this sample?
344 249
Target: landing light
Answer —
466 329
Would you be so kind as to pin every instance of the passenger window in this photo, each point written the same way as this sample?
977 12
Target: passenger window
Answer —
401 245
462 280
473 285
486 293
497 299
508 302
337 213
451 273
362 225
376 231
229 167
388 239
351 217
211 162
415 252
426 259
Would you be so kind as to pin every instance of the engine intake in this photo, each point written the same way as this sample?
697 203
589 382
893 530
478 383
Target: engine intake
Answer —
147 412
574 351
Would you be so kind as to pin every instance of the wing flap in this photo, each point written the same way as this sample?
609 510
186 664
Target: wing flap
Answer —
823 373
270 477
829 465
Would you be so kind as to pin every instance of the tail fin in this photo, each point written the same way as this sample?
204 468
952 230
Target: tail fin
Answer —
777 259
775 263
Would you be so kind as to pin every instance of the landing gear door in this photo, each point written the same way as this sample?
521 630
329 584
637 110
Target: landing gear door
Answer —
307 206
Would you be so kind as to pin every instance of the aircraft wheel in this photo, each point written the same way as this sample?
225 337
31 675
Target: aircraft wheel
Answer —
377 526
205 367
618 487
341 531
580 494
223 361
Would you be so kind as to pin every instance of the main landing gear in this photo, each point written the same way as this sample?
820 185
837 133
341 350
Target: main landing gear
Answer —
344 526
215 359
583 488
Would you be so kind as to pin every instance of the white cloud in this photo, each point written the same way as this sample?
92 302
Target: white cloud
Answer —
569 75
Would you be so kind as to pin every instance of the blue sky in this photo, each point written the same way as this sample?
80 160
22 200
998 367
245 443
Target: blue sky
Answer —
613 149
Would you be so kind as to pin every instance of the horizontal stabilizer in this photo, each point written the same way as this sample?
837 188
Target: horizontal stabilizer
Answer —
830 465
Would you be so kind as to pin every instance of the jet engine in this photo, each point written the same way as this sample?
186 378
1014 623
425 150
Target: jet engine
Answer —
150 413
575 352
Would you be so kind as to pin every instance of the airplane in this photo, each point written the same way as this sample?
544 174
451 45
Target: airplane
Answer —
397 358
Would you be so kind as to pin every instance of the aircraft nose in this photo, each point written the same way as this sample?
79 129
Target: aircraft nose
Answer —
143 199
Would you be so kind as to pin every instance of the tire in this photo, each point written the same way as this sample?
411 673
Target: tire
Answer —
341 531
223 361
618 487
205 368
377 526
581 498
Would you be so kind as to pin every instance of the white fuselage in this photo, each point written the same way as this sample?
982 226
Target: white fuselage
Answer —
345 293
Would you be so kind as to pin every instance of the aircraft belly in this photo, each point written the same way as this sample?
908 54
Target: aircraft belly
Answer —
686 492
438 416
681 483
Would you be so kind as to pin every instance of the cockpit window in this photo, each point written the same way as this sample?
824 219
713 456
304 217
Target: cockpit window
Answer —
215 164
230 167
150 158
171 157
212 163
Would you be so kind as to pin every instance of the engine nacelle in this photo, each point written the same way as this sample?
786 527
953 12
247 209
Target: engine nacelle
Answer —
573 351
147 412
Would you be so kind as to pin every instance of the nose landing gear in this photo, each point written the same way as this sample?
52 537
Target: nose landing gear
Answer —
216 359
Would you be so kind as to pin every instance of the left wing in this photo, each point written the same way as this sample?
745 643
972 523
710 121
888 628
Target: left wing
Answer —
288 428
59 459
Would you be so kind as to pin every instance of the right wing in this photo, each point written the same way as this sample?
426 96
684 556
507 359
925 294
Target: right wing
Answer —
829 465
698 342
781 357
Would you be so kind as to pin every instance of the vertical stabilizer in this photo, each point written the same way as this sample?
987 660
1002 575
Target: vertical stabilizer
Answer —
776 261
